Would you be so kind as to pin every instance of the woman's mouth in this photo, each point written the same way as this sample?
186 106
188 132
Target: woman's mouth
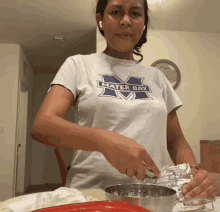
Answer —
124 36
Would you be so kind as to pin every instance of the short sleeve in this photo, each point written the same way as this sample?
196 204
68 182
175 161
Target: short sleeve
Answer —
172 100
67 76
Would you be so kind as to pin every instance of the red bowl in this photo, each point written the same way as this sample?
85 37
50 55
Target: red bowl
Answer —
94 206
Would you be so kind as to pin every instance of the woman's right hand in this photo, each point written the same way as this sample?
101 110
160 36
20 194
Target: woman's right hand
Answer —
126 155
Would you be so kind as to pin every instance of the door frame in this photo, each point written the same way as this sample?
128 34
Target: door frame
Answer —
21 139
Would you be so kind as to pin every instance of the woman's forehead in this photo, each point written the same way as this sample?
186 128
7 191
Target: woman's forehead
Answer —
126 2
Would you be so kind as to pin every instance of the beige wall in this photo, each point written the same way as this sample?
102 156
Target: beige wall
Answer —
197 56
9 61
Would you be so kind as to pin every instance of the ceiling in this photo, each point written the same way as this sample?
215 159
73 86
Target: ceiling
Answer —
33 23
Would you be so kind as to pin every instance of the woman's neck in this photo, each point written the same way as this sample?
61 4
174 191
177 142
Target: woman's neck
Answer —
120 55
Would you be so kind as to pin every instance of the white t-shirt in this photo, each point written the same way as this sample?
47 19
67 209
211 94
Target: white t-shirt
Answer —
120 96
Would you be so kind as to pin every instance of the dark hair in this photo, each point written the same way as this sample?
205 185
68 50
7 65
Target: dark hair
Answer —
101 5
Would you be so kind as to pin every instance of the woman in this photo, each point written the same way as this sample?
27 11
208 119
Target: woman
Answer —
125 112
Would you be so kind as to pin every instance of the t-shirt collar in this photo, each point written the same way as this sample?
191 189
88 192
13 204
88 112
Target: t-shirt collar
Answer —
115 60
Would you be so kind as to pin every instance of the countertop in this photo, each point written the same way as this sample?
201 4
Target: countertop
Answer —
65 195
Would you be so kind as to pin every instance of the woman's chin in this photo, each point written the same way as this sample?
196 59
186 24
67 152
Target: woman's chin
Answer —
124 49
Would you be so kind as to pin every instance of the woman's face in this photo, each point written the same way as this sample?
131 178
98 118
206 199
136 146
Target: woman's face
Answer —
123 17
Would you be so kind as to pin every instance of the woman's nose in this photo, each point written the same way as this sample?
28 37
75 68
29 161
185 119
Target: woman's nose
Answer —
126 20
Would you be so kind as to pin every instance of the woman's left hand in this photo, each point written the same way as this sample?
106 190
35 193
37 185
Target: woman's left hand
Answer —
202 185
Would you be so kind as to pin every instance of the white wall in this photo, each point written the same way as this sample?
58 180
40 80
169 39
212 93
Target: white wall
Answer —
9 60
197 56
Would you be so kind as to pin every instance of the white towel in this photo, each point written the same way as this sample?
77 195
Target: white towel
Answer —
30 202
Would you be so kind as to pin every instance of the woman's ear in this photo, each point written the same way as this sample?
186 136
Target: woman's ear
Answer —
98 19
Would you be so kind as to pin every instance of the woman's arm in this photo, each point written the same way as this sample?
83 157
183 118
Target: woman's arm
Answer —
177 146
51 128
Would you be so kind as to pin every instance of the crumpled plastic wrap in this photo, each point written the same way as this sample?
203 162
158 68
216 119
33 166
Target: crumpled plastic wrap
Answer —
30 202
173 177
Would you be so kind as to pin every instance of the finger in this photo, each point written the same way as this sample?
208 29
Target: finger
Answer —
150 163
195 191
191 195
122 170
209 192
202 195
131 171
204 189
149 171
196 181
140 174
144 163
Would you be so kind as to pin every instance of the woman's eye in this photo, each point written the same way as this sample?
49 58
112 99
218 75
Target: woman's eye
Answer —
114 12
136 13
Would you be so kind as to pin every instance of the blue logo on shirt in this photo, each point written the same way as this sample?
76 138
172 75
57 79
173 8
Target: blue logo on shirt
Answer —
115 87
